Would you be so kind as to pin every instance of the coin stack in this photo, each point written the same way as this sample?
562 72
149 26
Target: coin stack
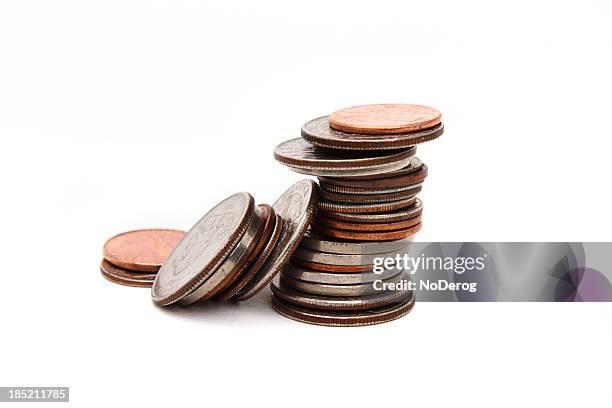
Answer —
369 178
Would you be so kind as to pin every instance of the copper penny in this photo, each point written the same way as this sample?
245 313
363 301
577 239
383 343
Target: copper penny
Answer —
368 198
396 181
371 227
343 318
330 206
331 268
126 277
367 236
382 119
391 216
258 255
142 250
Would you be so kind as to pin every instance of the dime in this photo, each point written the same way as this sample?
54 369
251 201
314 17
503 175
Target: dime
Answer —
126 277
382 119
141 250
309 255
228 271
332 268
392 216
412 189
319 243
366 208
203 249
296 207
332 278
368 236
339 303
319 133
387 182
305 158
371 227
343 318
269 239
368 198
324 289
415 164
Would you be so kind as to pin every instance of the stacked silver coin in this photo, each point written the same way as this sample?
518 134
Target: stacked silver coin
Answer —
368 212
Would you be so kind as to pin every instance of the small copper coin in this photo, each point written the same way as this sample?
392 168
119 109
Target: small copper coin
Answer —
126 277
331 268
366 208
142 250
343 318
388 182
339 303
368 198
319 133
370 227
367 236
383 119
391 216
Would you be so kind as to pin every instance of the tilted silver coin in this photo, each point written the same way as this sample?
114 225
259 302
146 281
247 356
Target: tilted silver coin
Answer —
319 243
305 158
366 208
296 207
339 303
332 278
308 254
203 249
413 166
229 265
325 289
393 216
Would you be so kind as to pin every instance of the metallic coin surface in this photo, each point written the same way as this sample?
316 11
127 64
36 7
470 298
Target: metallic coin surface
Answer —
412 189
339 303
319 133
305 158
367 236
387 182
324 289
228 271
387 118
203 249
414 165
316 266
296 207
343 318
320 243
368 198
126 277
142 250
268 241
310 255
332 278
366 208
368 226
393 216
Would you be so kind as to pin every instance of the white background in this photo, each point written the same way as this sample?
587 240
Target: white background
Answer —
125 114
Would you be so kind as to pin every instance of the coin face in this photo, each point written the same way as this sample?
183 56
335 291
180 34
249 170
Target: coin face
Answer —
203 249
368 236
303 157
141 250
331 245
382 119
126 277
319 133
296 207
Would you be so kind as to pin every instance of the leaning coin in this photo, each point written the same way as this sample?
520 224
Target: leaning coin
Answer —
368 236
385 118
366 208
369 226
319 133
393 216
296 207
305 158
414 165
339 259
203 249
368 198
331 278
141 250
388 182
324 289
343 318
339 303
126 277
320 243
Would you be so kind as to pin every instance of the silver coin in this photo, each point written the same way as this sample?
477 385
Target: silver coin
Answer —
376 300
203 249
319 243
347 190
413 166
230 264
296 207
305 158
366 208
324 289
367 198
340 259
332 278
392 216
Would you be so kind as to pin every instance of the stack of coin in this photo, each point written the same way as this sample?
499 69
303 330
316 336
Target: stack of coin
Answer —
134 257
369 178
